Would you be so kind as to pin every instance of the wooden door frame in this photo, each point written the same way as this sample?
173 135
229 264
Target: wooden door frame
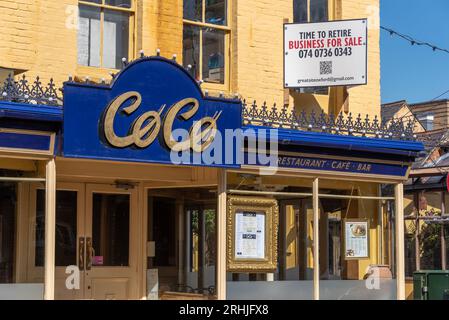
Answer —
135 234
28 192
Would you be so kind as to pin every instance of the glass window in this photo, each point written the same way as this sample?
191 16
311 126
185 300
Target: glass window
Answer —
115 38
8 204
103 34
213 55
89 36
204 44
164 231
318 11
110 229
118 3
311 11
410 256
216 12
191 49
300 11
66 228
446 242
193 10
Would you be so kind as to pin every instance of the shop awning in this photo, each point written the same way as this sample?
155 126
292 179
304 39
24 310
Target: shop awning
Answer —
287 137
26 111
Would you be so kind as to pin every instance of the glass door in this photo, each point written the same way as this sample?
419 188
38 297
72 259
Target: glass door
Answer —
111 248
96 253
69 227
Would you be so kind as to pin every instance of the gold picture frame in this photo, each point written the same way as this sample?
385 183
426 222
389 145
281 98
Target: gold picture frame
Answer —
365 237
253 209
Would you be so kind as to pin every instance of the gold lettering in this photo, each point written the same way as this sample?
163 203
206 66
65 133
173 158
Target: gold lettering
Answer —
202 138
146 127
111 111
170 118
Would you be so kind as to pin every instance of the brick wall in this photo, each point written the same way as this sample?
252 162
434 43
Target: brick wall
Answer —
40 37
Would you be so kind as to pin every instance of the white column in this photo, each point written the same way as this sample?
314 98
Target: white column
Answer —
221 236
50 223
316 241
400 247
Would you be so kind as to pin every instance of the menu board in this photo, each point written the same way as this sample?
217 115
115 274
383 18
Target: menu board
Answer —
356 239
249 235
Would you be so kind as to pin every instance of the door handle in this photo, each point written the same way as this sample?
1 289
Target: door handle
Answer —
89 254
81 251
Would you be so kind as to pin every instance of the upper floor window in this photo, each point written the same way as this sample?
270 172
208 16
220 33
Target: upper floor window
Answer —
310 11
206 39
104 32
305 11
427 121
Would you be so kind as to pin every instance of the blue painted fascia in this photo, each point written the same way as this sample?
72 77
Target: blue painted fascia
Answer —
325 140
34 112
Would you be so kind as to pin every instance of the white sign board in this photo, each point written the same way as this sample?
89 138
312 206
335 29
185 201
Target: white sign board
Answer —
325 54
356 240
249 235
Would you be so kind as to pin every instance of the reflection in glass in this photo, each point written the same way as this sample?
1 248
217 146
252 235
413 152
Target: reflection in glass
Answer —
191 49
410 255
89 33
119 3
193 10
94 1
216 12
213 55
300 11
319 11
66 228
295 240
164 231
8 204
115 38
110 229
430 247
446 242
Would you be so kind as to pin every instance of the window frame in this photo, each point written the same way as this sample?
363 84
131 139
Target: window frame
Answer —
227 45
132 30
331 13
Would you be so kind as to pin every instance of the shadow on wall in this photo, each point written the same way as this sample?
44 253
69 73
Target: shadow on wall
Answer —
333 102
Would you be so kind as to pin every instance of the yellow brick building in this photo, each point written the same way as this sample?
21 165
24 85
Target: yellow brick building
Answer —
169 231
40 37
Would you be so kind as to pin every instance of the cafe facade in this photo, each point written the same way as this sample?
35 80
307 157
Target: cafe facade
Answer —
130 190
150 178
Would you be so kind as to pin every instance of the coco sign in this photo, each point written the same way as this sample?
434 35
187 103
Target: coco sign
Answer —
141 135
135 118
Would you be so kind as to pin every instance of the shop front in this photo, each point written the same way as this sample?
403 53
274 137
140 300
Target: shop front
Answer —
152 190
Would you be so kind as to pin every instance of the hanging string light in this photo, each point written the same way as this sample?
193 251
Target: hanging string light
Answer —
414 41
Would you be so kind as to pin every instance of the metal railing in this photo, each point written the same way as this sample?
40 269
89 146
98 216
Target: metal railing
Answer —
22 91
327 123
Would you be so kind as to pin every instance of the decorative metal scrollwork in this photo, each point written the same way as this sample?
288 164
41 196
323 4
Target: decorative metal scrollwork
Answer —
22 91
327 123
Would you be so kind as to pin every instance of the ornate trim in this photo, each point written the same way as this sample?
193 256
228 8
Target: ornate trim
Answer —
271 209
340 125
22 91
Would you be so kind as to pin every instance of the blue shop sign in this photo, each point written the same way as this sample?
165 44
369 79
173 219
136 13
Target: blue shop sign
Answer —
152 112
333 165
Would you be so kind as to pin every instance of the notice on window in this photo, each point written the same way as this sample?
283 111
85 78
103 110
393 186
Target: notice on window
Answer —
249 235
325 54
356 239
